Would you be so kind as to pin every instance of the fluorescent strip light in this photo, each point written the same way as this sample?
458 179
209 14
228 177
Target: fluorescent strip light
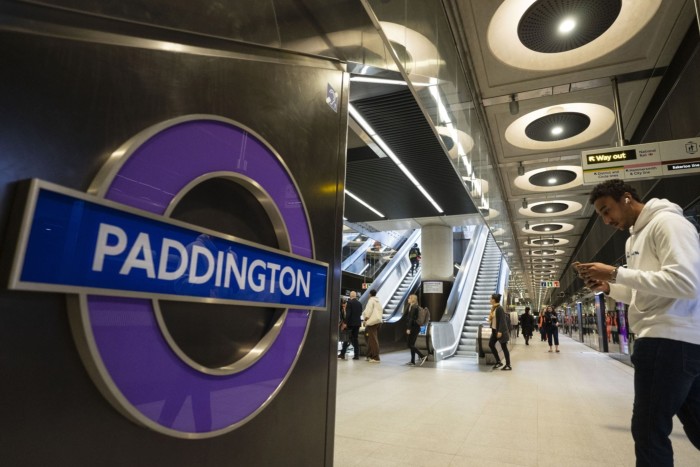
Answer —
369 79
429 198
366 79
347 192
380 142
361 121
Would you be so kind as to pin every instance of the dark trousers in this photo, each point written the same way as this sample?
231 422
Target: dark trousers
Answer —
504 345
353 330
415 330
553 332
543 333
414 265
666 383
372 342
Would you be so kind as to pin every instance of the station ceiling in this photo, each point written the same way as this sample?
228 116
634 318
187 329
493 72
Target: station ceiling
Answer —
540 91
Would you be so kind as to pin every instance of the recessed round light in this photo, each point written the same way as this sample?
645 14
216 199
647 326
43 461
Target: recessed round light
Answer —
567 25
557 130
552 181
549 209
546 229
517 19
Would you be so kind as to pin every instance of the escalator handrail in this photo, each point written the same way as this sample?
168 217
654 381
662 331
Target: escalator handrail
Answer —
357 254
462 275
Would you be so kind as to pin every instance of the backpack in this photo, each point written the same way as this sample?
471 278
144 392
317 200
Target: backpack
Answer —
423 316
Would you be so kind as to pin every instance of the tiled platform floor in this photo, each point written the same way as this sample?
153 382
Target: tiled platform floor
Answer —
567 409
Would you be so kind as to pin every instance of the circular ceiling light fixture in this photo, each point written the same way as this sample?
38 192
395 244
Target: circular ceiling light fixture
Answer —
551 208
547 228
489 213
457 142
420 57
546 260
477 187
548 25
580 122
547 179
537 242
526 33
544 252
557 126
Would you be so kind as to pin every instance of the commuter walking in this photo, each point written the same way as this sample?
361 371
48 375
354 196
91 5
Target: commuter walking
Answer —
541 326
551 321
527 324
414 257
353 320
413 329
372 317
499 332
661 284
342 323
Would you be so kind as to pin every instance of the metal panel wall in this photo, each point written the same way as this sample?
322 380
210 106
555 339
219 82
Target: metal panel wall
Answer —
73 88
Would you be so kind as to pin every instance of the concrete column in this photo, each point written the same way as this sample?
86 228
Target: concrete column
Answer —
436 249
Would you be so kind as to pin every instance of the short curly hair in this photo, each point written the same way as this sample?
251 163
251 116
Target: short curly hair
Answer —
613 188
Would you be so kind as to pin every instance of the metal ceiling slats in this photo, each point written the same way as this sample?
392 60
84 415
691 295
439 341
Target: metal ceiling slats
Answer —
399 121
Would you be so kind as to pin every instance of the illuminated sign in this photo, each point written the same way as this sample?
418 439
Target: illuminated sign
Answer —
133 273
77 244
615 156
642 161
549 284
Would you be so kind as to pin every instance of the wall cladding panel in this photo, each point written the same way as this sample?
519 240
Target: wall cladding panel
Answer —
66 105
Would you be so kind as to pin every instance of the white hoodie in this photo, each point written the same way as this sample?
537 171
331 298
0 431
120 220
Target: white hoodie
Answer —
662 280
373 312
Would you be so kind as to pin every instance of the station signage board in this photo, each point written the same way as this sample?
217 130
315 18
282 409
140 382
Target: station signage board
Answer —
641 161
74 242
124 261
549 283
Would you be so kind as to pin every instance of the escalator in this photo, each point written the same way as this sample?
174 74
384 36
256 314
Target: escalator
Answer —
394 284
480 305
396 303
480 275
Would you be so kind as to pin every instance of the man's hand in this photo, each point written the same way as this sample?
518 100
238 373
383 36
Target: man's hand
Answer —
498 335
408 331
594 272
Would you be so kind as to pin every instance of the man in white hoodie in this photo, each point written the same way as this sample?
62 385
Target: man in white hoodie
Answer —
661 284
372 317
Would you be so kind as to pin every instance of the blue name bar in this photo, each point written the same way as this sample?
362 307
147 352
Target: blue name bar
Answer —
79 244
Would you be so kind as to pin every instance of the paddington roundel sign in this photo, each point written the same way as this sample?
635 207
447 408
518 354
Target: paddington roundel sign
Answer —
188 329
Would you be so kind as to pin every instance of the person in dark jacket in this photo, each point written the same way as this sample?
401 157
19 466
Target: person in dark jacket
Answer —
527 324
552 325
353 320
414 257
413 329
499 332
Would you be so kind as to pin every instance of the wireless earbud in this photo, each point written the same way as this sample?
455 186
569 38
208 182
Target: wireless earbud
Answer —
627 200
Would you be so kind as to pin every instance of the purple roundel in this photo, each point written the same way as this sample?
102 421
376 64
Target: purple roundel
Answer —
137 367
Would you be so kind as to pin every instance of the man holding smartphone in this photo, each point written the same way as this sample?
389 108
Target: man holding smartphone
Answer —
661 284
